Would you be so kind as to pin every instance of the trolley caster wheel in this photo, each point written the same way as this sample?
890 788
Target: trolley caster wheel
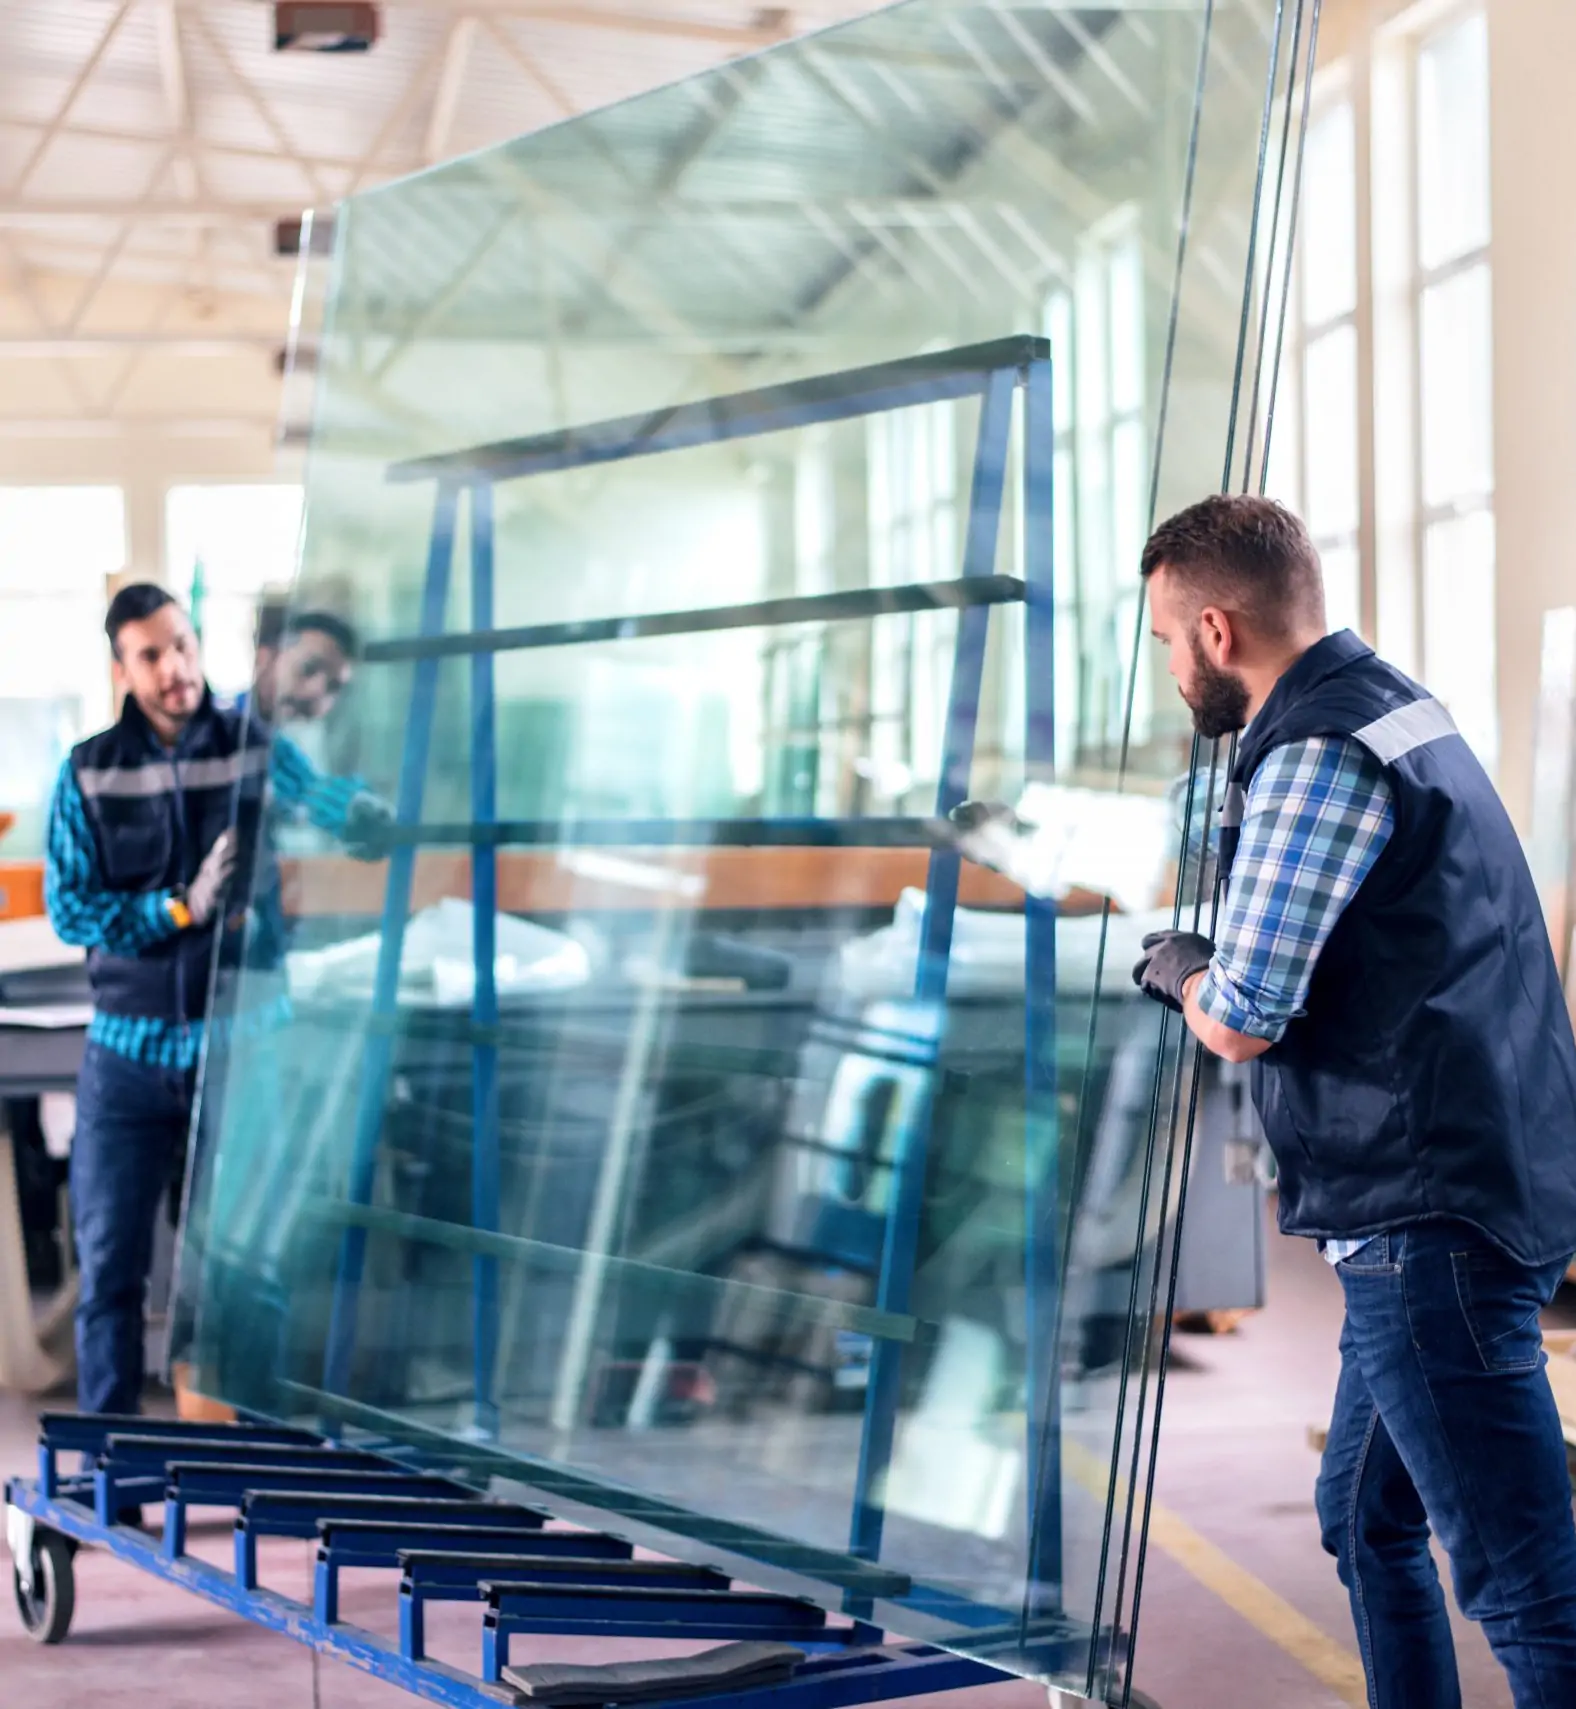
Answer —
47 1604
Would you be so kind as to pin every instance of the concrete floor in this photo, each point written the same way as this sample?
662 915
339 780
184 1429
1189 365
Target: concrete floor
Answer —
1241 1608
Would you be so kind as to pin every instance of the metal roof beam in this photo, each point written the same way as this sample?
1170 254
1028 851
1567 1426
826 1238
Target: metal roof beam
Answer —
58 119
451 81
21 346
177 94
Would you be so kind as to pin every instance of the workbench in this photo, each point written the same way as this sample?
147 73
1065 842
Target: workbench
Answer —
47 981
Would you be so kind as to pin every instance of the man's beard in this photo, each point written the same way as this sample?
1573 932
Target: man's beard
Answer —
1219 701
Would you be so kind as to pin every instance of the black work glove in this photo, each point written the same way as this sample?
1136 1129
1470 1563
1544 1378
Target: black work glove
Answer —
368 824
1170 959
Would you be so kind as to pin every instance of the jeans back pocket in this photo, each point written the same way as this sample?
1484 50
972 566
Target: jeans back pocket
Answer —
1500 1301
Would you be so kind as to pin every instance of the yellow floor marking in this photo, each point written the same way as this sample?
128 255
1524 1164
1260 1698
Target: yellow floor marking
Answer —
1329 1662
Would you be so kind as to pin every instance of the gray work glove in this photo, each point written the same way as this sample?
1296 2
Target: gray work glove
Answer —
1170 959
368 822
206 891
975 815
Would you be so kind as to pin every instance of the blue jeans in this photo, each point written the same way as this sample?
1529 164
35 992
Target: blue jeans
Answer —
131 1126
1444 1418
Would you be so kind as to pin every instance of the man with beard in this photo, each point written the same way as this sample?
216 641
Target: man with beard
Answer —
1382 960
305 661
154 824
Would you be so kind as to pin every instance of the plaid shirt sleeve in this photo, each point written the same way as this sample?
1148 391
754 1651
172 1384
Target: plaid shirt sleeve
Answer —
303 792
1318 815
81 906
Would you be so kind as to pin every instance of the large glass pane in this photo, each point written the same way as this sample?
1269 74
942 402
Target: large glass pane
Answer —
650 1123
1453 141
226 547
1457 387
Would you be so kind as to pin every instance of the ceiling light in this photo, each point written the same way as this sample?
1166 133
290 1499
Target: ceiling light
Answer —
325 26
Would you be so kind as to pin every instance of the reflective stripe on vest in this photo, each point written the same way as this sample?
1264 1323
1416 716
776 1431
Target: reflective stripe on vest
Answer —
158 777
1396 734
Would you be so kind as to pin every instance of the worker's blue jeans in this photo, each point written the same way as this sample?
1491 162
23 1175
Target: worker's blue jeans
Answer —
131 1125
1444 1418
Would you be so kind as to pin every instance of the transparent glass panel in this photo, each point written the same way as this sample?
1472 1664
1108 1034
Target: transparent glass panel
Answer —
226 547
1453 141
667 1120
1459 626
1283 473
1328 240
1457 387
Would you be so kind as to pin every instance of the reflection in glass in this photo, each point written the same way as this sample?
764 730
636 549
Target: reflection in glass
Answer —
672 1113
225 546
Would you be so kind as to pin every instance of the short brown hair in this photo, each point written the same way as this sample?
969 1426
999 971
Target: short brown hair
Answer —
1245 553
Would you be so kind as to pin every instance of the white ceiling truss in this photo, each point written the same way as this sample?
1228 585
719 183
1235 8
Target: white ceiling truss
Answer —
147 148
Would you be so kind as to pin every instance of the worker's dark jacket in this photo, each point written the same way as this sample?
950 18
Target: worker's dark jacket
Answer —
155 813
1433 1073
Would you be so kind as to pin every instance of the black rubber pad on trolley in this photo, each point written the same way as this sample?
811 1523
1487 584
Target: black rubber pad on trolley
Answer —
730 1667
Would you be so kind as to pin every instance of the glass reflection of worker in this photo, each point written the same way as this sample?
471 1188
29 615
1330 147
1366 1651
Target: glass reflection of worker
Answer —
1382 960
305 660
154 822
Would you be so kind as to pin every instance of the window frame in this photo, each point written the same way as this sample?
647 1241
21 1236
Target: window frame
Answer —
1424 25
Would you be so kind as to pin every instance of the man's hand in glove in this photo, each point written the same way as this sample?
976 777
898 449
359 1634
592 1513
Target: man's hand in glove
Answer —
976 815
985 832
206 891
368 824
1170 959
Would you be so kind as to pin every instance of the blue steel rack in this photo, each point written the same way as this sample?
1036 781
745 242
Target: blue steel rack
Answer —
994 373
409 1507
437 1540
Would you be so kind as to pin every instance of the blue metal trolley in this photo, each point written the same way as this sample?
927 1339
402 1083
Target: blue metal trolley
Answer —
407 1502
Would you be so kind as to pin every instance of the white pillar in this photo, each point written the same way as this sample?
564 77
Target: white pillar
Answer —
1532 46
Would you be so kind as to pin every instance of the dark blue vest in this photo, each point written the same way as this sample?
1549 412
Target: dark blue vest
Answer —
1433 1073
154 813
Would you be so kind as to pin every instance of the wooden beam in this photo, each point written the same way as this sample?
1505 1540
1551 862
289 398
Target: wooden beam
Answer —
721 878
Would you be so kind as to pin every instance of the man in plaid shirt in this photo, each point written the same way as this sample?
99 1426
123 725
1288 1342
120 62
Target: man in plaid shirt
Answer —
157 830
1383 962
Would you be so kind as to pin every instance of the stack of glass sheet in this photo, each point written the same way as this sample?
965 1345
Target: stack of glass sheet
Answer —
727 485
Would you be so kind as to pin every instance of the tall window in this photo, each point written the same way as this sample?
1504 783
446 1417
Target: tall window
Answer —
913 538
225 546
1393 259
1326 341
1455 395
1098 355
58 548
